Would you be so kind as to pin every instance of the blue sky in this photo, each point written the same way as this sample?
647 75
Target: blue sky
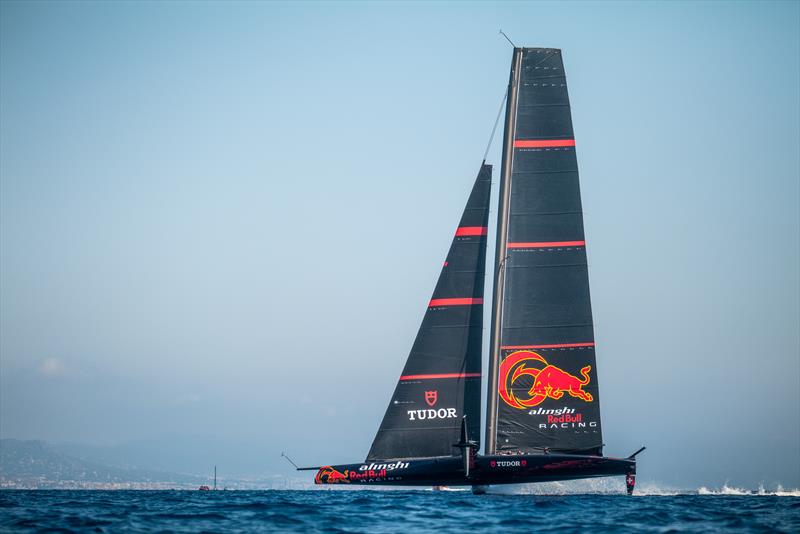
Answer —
224 220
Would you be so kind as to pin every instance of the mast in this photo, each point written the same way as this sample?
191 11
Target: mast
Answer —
500 251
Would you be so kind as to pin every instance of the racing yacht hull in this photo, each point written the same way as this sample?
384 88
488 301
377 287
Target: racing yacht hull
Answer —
484 470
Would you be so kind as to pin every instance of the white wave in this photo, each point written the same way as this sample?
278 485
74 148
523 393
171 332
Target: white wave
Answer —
604 486
780 492
648 489
724 490
729 490
615 486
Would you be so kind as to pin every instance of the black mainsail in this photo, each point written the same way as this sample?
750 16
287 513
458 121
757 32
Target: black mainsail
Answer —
441 381
543 415
543 390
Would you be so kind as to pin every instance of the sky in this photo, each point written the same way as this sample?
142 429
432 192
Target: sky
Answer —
220 223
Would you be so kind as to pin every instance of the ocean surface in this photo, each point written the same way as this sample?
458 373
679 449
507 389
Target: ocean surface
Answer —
725 510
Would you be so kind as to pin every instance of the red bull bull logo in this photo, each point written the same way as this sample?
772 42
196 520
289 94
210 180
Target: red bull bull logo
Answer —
365 473
549 381
329 475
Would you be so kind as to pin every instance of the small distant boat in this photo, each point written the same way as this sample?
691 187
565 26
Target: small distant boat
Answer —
543 403
206 487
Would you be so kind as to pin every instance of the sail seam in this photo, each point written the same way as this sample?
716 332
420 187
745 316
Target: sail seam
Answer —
467 301
516 173
448 326
546 244
515 213
543 143
550 346
529 78
471 230
548 266
442 375
547 326
543 106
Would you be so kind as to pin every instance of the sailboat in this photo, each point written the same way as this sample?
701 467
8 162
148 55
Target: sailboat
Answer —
543 403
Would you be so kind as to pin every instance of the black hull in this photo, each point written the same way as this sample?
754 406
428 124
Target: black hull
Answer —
486 470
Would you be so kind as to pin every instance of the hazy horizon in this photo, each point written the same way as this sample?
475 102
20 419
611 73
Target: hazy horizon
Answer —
220 223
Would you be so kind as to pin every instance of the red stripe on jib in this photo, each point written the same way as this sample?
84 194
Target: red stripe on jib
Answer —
471 230
553 346
445 375
543 143
454 302
547 244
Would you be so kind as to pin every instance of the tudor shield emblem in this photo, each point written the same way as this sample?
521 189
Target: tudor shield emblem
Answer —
431 397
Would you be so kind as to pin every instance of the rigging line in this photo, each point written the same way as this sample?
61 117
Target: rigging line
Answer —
296 466
507 39
496 122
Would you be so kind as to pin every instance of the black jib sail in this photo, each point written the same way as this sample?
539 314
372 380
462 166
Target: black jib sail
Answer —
441 381
543 392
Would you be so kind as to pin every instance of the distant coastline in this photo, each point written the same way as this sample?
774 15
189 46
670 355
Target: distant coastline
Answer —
34 464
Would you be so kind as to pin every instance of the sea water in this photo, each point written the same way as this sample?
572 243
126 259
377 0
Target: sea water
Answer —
516 509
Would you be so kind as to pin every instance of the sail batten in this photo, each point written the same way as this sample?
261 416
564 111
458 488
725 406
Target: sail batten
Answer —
440 383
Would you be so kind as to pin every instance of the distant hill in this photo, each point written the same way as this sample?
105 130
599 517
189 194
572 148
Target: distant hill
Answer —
37 464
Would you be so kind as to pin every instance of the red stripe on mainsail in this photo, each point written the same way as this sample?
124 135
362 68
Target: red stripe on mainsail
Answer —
471 230
543 143
454 302
553 346
445 375
547 244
